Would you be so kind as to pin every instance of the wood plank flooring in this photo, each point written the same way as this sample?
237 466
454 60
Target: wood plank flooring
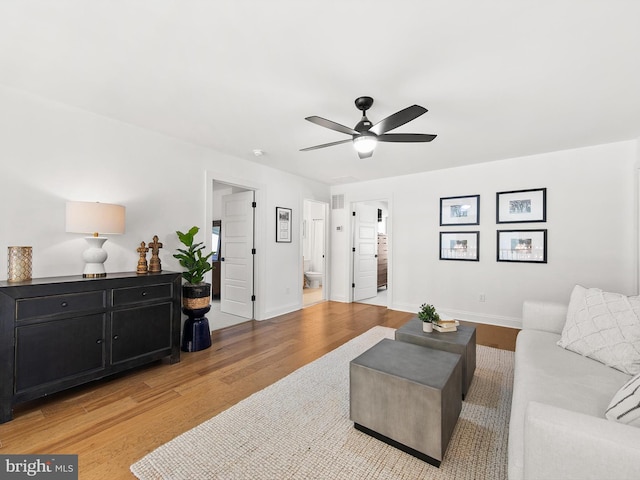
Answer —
112 423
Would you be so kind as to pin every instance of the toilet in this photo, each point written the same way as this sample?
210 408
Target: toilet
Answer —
314 279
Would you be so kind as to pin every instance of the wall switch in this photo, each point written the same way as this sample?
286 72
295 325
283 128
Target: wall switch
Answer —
483 298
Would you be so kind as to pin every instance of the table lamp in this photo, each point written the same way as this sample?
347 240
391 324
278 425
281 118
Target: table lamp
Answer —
95 218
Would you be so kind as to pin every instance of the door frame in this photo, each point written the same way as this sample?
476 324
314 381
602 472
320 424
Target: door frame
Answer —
327 249
374 198
260 228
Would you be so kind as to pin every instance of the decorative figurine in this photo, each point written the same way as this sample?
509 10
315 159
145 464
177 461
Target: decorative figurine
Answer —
142 262
154 264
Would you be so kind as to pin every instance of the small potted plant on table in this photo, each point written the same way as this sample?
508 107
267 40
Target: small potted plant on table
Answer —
428 315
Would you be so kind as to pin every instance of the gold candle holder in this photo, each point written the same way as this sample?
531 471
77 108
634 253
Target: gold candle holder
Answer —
19 264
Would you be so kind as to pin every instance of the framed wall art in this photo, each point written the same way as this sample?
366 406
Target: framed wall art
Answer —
521 206
283 225
460 210
460 246
529 246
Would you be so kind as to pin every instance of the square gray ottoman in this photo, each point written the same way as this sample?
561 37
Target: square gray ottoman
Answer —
408 396
462 342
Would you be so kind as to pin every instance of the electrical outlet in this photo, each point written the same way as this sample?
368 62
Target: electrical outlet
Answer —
483 297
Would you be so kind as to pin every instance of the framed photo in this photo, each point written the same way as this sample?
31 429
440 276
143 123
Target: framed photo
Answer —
460 246
283 225
521 206
522 246
460 210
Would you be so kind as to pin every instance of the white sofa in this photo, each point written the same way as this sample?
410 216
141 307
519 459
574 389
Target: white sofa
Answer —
558 428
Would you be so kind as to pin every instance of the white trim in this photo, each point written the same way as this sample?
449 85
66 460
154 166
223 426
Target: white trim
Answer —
381 197
260 230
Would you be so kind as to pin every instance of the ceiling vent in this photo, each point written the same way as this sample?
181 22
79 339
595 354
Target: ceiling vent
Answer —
337 202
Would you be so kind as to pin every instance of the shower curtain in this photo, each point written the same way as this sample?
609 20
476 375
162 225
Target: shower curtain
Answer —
317 245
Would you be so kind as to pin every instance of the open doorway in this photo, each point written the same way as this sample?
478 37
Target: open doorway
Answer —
314 241
232 235
370 250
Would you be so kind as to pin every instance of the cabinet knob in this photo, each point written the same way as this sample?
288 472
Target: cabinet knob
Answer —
144 294
64 304
115 337
99 341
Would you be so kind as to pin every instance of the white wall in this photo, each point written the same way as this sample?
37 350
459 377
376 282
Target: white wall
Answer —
591 222
50 153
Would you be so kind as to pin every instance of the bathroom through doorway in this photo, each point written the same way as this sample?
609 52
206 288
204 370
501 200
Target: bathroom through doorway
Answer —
314 241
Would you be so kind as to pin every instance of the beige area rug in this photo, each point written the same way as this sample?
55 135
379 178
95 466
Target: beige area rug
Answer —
299 428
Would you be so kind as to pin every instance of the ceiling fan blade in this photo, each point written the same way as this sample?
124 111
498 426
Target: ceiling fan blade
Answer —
365 155
406 137
326 145
323 122
397 119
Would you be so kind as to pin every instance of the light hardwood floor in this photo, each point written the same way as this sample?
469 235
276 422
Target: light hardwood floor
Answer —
112 423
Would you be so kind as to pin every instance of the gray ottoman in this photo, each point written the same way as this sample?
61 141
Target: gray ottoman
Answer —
408 396
462 342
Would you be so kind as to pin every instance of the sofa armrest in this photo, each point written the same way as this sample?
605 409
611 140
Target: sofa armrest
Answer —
546 316
559 443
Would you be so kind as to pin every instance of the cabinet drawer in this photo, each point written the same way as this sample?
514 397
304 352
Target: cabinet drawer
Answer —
57 304
126 296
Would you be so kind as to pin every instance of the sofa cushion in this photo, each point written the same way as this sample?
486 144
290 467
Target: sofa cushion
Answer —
604 326
625 404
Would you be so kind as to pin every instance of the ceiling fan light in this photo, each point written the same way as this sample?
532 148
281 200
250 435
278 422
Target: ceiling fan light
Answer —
365 143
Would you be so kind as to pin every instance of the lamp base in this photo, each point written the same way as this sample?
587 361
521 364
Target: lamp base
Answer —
94 275
94 256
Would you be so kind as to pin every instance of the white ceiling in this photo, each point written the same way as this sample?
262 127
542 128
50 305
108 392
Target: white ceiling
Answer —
501 79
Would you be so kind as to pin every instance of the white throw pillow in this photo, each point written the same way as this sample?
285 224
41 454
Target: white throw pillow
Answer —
625 404
604 326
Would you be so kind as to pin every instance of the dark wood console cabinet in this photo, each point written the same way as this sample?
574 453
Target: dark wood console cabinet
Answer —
56 333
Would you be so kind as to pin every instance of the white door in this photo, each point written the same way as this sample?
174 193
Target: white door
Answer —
236 267
365 262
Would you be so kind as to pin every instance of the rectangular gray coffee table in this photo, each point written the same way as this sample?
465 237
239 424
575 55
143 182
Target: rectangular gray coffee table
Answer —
408 396
462 342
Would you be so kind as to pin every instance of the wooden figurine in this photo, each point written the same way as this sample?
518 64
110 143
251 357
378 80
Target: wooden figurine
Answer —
142 262
154 264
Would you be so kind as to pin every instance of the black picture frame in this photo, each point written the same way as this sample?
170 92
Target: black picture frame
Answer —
523 246
522 206
461 210
283 224
460 246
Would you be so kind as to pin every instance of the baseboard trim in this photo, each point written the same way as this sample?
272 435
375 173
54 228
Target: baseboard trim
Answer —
489 319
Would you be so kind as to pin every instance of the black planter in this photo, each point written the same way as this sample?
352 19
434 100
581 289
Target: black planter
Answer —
196 300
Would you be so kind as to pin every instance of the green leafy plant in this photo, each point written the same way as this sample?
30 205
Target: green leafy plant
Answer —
192 258
428 313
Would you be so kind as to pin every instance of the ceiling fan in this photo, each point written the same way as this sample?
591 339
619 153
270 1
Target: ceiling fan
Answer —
365 135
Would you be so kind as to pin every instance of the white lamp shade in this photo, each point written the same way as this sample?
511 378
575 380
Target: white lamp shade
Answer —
94 218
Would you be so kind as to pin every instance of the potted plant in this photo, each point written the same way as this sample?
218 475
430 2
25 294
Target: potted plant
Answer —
196 294
428 315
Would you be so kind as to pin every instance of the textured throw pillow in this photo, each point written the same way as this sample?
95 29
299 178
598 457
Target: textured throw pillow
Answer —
605 327
625 404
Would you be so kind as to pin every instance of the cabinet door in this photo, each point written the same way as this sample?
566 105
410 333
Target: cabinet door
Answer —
137 332
59 350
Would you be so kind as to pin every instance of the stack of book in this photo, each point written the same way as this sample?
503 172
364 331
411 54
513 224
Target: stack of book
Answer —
446 325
